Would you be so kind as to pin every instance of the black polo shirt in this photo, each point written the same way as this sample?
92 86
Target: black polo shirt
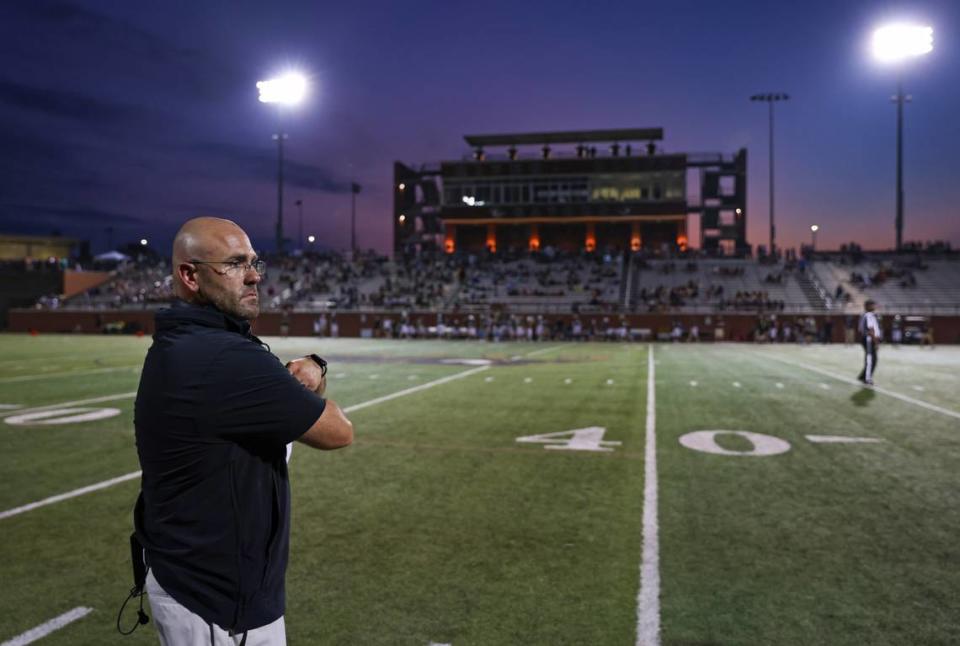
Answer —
214 412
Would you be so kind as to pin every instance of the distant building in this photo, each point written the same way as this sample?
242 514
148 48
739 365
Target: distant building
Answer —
19 247
592 190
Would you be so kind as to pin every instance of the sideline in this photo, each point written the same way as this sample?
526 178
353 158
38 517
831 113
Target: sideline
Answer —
648 599
883 391
48 627
136 474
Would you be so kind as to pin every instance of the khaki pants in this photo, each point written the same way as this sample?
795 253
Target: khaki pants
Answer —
177 626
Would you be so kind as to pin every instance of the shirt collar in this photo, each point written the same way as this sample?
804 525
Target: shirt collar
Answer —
207 315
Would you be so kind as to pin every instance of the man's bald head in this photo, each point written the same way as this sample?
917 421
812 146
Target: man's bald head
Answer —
202 251
198 237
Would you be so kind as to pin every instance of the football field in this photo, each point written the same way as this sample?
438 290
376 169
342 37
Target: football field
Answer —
531 494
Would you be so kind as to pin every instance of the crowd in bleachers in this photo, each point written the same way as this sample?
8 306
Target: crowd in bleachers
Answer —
552 276
922 277
550 281
718 285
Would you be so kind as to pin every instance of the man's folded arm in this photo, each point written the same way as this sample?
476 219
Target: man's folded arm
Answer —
332 430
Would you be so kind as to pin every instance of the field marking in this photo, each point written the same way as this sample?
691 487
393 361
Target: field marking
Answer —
609 382
762 445
693 383
70 494
415 389
589 438
466 362
79 402
45 629
50 375
9 406
736 384
62 416
568 380
825 386
528 380
136 474
840 439
540 351
919 389
648 599
779 385
488 379
883 391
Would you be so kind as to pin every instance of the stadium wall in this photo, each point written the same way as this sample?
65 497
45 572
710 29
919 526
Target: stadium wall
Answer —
737 327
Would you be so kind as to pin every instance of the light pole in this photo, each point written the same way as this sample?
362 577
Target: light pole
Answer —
771 99
286 90
299 204
895 44
813 234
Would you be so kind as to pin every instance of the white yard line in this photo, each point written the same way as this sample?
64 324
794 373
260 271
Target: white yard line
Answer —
883 391
52 375
414 389
840 439
79 402
648 599
136 474
45 629
542 350
70 494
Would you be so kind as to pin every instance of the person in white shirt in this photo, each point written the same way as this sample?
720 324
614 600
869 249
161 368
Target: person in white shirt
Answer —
870 334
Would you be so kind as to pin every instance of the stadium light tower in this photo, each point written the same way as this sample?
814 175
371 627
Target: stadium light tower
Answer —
895 44
287 90
813 233
771 98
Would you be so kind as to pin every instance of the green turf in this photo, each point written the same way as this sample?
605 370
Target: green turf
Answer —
437 526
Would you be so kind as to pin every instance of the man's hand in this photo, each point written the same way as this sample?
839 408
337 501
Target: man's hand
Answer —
309 374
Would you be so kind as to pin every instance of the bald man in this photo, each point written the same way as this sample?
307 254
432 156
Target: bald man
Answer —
214 413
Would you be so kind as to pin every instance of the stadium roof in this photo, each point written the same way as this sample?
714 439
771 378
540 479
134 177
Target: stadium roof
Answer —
568 137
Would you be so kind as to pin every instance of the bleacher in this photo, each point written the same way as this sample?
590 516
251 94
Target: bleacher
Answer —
696 285
897 283
563 283
541 283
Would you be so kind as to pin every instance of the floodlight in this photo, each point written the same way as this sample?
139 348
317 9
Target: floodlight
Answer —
143 242
288 89
898 42
402 218
814 228
311 239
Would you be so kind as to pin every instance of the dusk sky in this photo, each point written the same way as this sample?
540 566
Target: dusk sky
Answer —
138 116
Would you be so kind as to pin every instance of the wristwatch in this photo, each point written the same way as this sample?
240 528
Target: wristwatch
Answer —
320 361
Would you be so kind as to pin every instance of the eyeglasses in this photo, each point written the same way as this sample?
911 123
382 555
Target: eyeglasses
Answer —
322 363
235 267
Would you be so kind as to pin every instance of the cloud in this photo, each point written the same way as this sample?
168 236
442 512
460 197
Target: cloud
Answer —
65 104
69 214
228 161
66 36
77 21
